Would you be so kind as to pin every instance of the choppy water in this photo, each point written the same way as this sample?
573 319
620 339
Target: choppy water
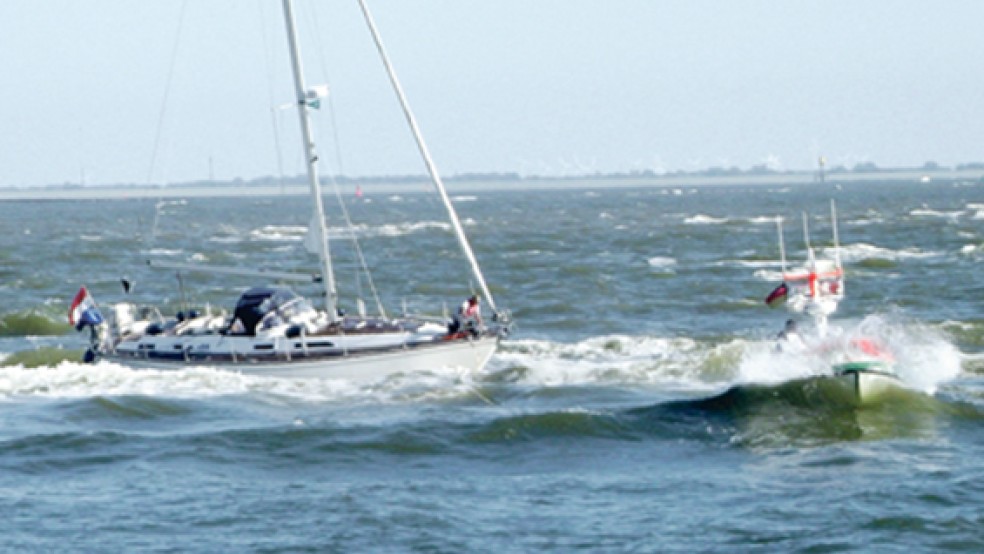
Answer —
638 407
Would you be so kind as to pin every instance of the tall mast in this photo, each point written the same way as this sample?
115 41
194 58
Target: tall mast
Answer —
833 222
782 246
431 168
311 156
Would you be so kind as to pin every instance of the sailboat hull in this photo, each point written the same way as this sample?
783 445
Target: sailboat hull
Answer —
465 354
869 383
273 331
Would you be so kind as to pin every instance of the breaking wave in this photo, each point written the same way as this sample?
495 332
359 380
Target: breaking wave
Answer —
923 357
32 323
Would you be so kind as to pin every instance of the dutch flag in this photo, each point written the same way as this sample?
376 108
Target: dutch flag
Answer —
84 311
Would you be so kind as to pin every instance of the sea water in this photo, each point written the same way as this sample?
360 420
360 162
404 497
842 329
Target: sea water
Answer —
639 405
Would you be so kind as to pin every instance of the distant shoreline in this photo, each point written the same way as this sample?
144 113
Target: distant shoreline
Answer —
393 185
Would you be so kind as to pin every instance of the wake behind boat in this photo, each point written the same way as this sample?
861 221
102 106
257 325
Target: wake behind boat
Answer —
274 331
860 364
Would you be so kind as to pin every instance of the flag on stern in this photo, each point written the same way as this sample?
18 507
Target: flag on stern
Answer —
778 296
84 311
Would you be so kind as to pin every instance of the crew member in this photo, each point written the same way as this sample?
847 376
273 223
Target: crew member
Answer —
468 317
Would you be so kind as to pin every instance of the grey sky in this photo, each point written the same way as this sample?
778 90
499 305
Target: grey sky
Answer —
538 87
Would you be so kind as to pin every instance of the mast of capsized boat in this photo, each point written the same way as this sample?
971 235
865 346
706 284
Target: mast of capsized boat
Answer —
428 161
331 293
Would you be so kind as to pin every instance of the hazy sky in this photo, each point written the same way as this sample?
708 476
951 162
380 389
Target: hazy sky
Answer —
534 86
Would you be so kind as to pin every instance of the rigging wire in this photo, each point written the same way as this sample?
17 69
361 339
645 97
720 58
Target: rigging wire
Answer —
350 226
274 120
160 119
167 93
428 161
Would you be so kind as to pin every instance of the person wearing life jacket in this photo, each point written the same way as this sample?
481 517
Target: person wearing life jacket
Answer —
468 318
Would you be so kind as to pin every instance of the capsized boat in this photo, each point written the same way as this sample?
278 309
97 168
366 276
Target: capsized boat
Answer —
870 380
274 331
815 289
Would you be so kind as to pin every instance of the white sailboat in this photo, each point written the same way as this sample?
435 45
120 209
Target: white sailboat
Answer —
815 290
273 331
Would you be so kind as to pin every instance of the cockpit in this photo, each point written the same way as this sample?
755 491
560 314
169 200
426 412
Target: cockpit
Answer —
267 307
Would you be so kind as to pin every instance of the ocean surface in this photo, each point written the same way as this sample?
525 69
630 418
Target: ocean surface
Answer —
639 405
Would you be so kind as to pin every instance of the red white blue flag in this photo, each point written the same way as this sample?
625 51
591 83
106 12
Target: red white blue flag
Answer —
84 311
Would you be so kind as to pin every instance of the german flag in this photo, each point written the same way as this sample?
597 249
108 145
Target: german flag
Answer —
778 296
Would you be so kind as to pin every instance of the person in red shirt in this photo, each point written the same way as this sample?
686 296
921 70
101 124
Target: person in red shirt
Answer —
468 317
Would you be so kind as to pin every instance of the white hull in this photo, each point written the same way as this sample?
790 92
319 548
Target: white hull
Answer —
273 331
868 386
469 354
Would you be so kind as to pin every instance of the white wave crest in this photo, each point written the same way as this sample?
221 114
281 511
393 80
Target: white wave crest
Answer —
750 263
923 358
296 233
77 380
279 233
926 212
662 262
863 251
164 252
768 275
402 229
701 219
674 362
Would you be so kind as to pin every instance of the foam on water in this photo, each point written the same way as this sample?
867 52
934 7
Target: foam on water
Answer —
78 380
926 212
923 357
69 380
296 233
701 219
665 263
404 229
863 251
278 233
676 363
163 252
